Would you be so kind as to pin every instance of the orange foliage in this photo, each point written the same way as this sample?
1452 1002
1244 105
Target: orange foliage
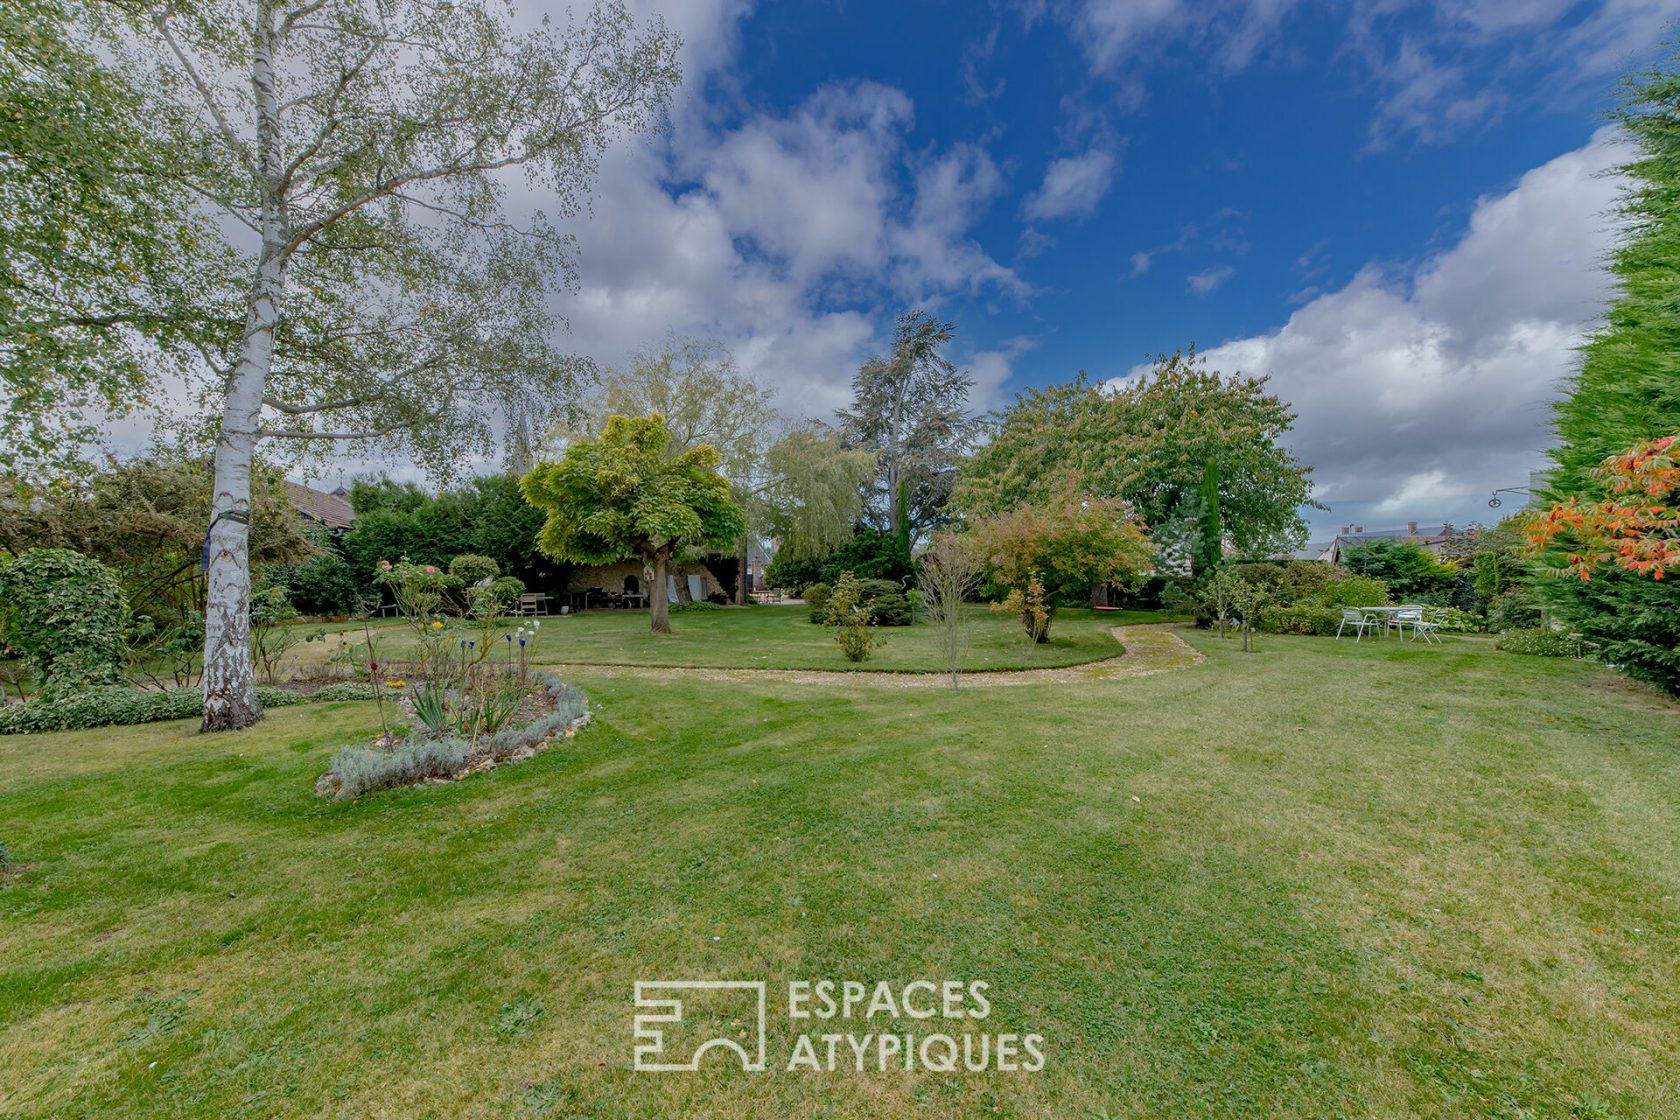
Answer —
1635 527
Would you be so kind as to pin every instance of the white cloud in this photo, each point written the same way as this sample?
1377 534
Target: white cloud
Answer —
992 369
1208 280
1417 396
1233 32
793 239
1072 186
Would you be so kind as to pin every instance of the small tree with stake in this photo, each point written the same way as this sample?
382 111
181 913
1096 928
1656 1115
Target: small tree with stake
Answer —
619 498
947 576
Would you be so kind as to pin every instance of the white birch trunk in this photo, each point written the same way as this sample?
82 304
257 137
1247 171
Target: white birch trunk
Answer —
230 687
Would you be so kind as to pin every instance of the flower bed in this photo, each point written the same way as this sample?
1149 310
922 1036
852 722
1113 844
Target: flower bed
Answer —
422 758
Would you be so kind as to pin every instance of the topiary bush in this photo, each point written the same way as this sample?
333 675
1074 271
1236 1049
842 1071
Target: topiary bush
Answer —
1540 643
470 569
66 612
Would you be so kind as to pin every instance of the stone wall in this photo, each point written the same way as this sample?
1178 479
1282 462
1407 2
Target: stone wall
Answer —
610 577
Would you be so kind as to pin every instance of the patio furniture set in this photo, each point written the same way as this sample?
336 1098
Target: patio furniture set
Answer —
1382 621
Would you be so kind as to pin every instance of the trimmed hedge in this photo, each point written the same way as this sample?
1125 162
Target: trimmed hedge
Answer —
1303 618
359 770
117 705
345 690
1540 643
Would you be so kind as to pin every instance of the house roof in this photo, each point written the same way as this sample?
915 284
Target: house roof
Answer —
330 510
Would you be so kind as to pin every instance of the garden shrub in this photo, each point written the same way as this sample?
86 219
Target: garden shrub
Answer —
696 605
1540 643
870 555
118 705
360 770
1455 621
1302 618
882 598
500 598
1355 591
1405 567
1514 609
1305 581
885 601
324 584
816 597
471 569
1631 621
66 612
848 616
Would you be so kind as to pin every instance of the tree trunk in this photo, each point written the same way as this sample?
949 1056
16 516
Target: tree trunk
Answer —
230 690
661 610
741 573
892 496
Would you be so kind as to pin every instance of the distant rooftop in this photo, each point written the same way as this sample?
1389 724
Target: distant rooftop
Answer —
331 510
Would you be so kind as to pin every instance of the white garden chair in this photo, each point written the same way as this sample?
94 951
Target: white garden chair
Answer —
1359 620
1399 620
1429 629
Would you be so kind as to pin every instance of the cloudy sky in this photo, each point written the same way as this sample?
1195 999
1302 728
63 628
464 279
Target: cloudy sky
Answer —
1395 209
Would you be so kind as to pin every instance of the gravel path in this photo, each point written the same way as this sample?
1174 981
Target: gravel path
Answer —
1148 650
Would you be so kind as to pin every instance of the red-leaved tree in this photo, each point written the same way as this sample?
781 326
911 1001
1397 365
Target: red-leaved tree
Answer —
1635 526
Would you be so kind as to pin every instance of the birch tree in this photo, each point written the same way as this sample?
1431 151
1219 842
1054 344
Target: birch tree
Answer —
364 151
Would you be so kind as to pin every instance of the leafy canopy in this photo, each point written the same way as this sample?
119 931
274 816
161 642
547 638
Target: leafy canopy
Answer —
621 497
1071 541
1178 442
911 410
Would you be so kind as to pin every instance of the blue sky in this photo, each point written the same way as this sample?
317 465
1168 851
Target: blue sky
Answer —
1396 209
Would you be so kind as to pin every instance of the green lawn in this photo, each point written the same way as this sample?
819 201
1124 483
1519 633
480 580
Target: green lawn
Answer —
1319 880
783 637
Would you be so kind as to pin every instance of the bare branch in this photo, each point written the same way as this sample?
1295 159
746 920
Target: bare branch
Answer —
279 405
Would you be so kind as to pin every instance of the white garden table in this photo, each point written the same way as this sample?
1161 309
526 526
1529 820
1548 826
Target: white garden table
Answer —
1388 613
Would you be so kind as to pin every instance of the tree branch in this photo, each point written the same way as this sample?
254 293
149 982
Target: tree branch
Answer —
161 21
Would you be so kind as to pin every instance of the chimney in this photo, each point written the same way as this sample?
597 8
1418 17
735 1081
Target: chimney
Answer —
1344 531
1359 528
1411 528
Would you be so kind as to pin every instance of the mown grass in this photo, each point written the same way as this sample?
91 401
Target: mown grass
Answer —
1318 880
777 637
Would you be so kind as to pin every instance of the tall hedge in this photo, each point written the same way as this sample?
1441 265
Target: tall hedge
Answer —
1627 387
66 613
